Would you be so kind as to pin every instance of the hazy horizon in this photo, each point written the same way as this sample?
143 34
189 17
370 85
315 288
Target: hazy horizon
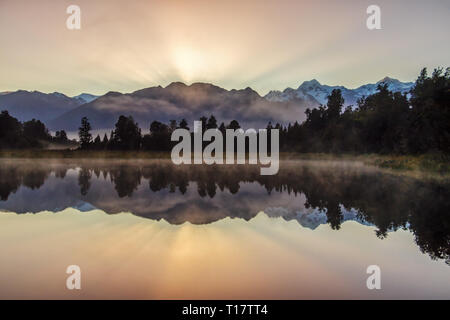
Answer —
191 83
266 46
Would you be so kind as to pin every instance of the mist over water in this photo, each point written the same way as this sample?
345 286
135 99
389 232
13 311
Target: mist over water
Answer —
156 230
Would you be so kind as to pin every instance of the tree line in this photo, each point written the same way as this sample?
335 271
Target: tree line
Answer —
386 122
127 134
29 134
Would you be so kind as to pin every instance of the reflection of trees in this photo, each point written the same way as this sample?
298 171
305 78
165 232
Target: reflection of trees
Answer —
126 180
389 202
334 216
34 179
429 220
211 188
158 181
162 176
14 176
10 181
61 173
84 180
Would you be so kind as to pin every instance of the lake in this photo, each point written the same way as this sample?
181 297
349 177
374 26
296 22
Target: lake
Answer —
147 229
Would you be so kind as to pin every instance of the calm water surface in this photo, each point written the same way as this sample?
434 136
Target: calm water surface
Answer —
149 229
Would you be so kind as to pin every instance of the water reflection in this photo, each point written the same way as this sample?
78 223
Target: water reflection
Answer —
311 193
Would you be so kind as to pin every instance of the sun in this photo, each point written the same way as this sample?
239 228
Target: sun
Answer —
190 63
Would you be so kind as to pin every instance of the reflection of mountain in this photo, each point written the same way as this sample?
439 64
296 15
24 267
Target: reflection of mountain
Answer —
313 219
83 206
310 193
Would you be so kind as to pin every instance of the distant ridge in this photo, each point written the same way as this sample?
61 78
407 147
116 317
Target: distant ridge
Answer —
26 105
85 97
313 90
179 100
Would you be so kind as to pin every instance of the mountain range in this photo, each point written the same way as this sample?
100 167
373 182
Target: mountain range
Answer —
27 105
178 100
315 92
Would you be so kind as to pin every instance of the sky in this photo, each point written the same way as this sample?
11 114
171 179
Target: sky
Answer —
126 45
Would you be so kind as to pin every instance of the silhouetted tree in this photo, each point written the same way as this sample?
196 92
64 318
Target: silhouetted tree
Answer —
84 133
183 124
35 129
127 134
429 127
11 132
234 125
105 141
334 105
97 144
61 136
159 137
212 123
14 134
172 125
204 120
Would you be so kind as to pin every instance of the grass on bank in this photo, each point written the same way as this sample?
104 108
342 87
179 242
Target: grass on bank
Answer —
426 162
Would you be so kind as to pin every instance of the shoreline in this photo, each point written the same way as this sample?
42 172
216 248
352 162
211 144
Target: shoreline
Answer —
426 163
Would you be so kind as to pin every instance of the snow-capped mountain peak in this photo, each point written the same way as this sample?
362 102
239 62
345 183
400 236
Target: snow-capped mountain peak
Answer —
310 84
388 80
85 98
317 93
